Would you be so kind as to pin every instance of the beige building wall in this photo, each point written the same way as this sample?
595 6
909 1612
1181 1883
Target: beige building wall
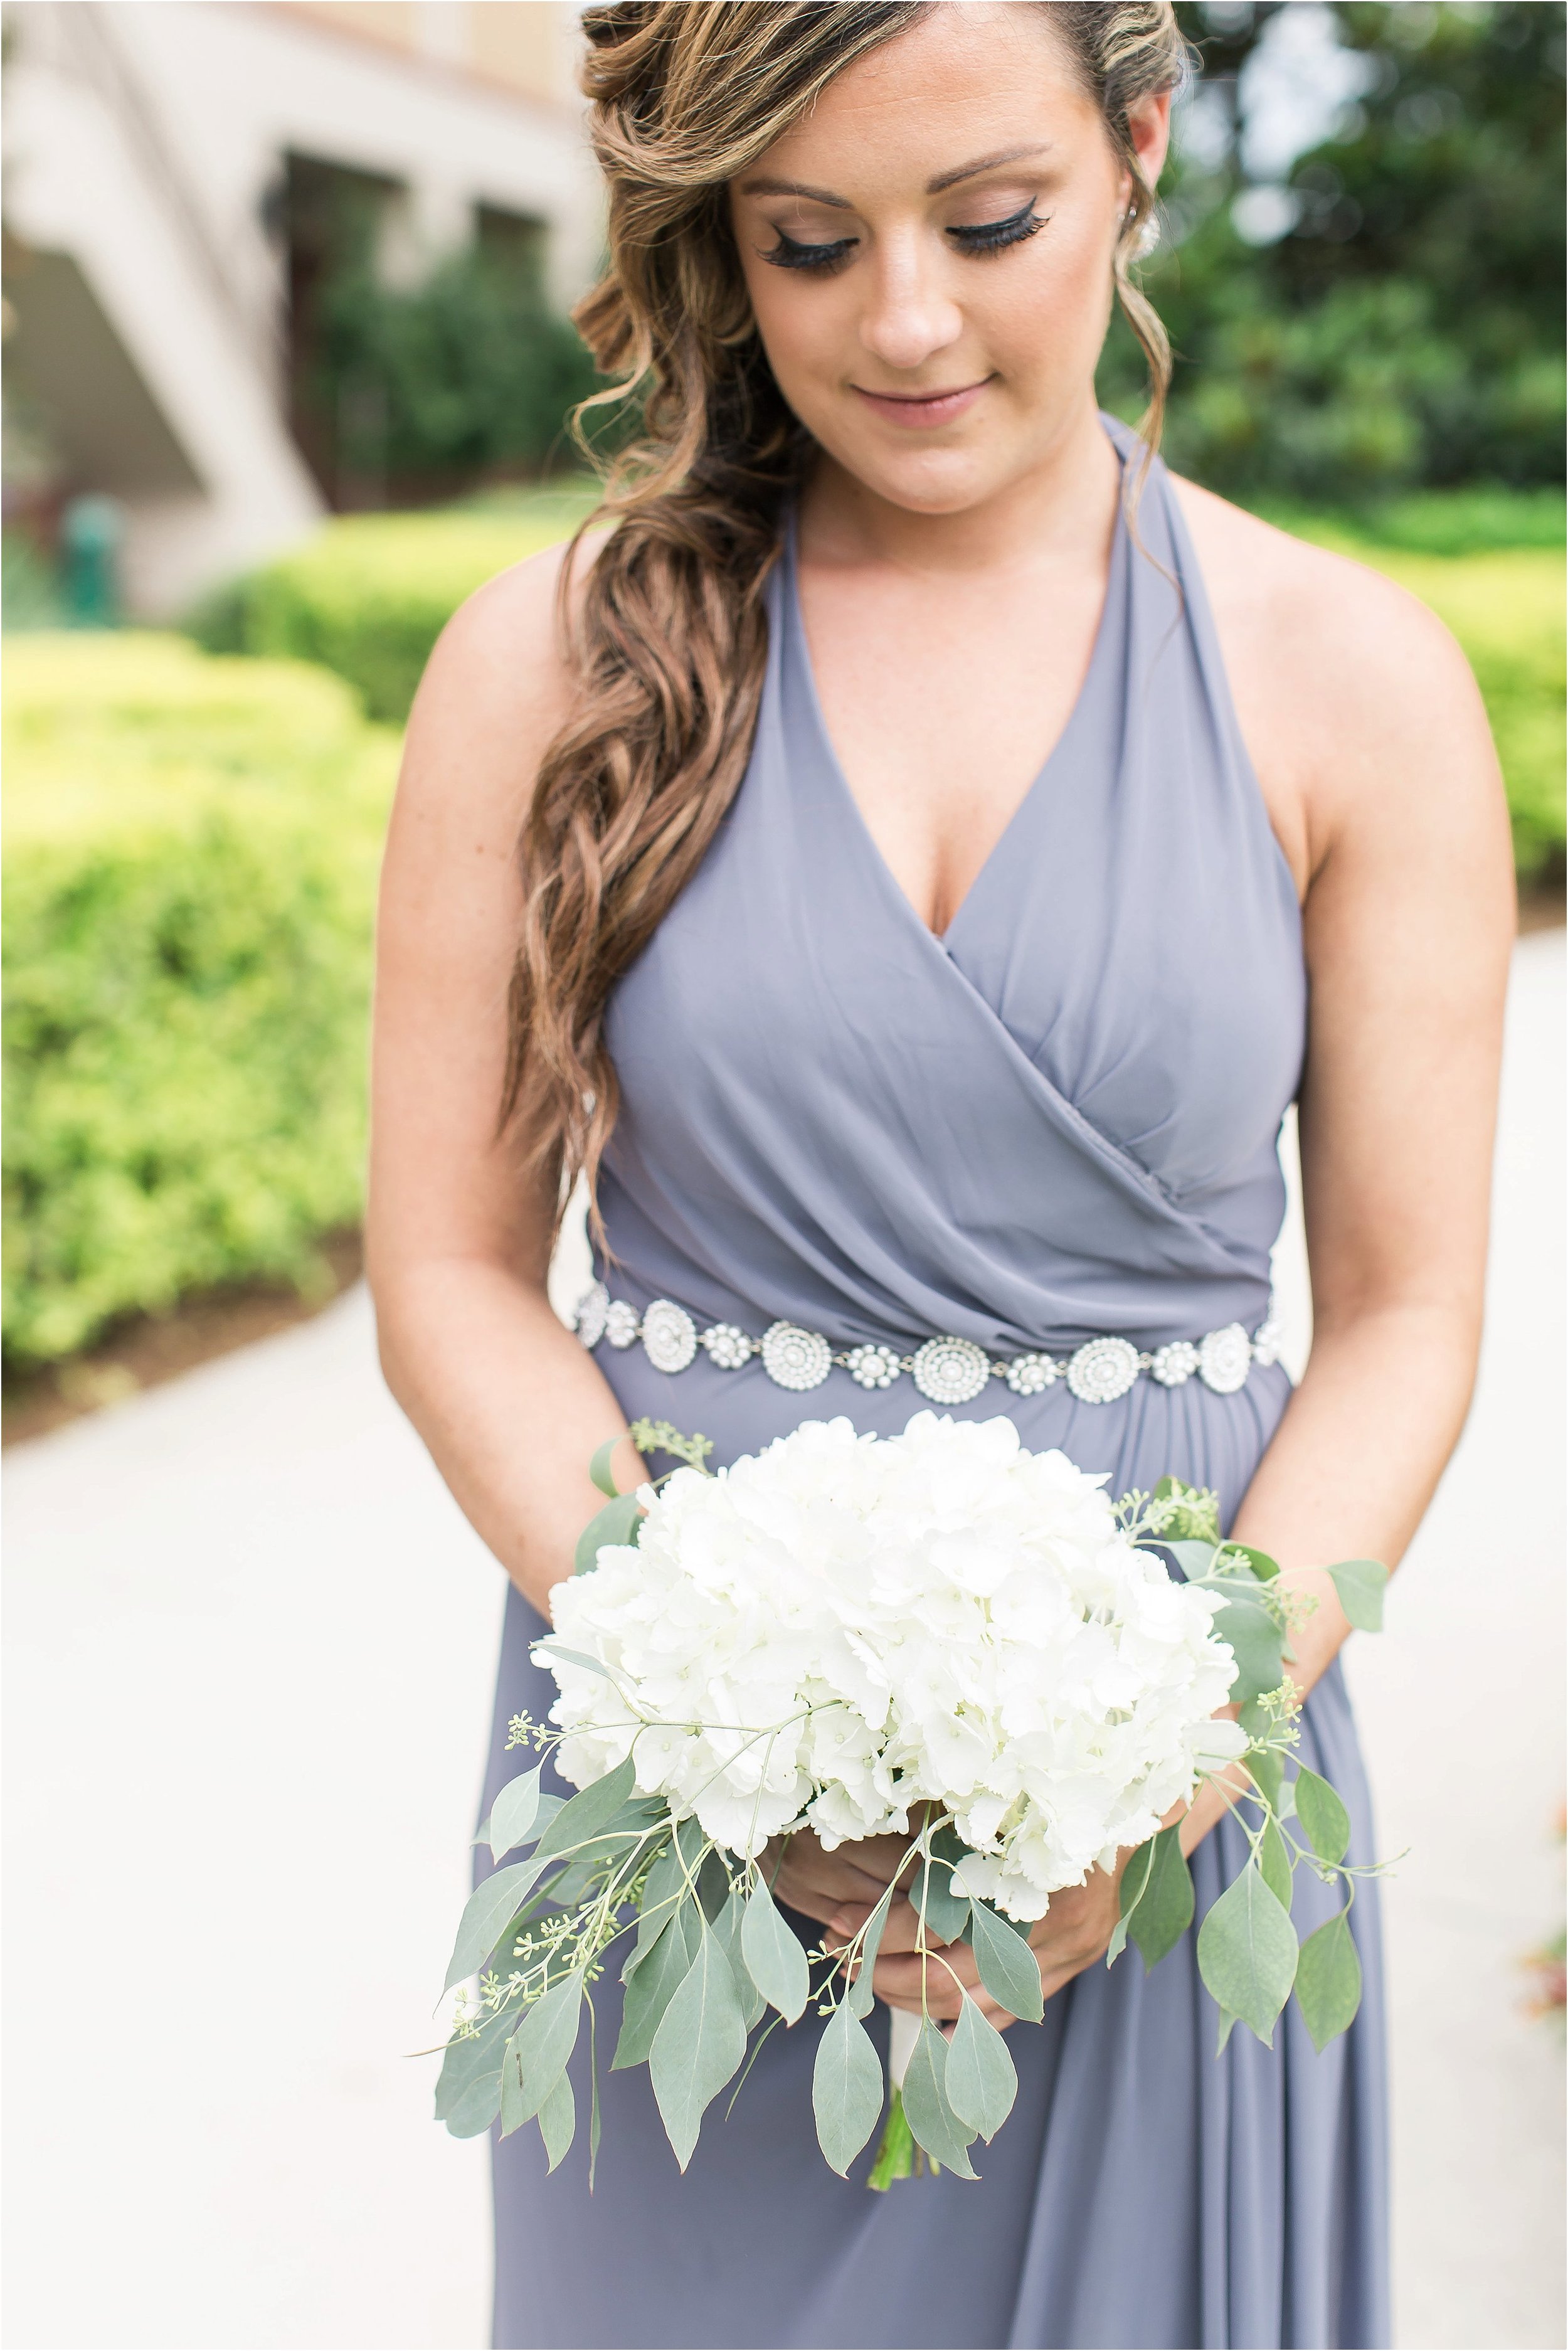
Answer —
519 45
145 142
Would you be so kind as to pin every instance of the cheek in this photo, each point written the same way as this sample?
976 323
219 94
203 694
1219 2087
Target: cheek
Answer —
807 333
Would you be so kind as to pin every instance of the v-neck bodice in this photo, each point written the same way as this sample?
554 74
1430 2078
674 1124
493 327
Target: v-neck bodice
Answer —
791 620
1057 1120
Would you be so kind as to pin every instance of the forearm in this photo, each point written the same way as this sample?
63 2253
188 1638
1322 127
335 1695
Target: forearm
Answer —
510 1408
1352 1467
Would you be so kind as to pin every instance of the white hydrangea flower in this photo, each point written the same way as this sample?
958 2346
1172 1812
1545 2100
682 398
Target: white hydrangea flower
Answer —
841 1626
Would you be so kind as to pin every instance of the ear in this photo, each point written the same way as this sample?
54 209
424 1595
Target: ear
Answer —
1149 125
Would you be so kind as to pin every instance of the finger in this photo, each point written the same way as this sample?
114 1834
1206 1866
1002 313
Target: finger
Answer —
900 1976
846 1883
899 1934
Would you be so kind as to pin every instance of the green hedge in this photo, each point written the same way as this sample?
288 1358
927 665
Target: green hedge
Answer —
369 594
190 853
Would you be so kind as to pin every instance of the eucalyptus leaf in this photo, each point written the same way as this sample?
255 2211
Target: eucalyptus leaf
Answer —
512 1814
538 2051
1361 1584
1256 1642
698 2046
944 1910
981 2080
1274 1862
1164 1912
486 1913
1193 1559
1227 2027
846 2088
773 1957
936 2127
477 2107
1267 1766
1322 1815
576 1657
615 1524
465 2063
1328 1980
664 1891
1134 1878
659 1974
1264 1568
558 2120
728 1927
712 1887
595 2124
1008 1966
667 1886
599 1467
859 1996
591 1810
1247 1953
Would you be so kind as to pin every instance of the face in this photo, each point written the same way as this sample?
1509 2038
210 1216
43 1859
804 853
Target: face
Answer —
929 254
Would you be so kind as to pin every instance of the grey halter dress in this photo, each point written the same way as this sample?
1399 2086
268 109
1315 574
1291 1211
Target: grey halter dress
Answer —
1056 1122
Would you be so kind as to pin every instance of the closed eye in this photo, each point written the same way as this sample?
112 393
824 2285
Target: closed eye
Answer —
791 253
993 236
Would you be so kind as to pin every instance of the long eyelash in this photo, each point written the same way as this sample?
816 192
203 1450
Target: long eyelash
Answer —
788 253
992 236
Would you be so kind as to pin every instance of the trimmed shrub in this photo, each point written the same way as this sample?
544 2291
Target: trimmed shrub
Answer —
369 594
191 850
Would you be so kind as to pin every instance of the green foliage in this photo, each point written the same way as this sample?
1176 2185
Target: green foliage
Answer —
191 850
467 373
981 2080
31 585
1328 1980
1247 1953
846 2088
1408 327
369 594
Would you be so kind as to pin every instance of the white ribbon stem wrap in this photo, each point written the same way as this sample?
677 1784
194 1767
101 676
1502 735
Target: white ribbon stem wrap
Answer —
903 2031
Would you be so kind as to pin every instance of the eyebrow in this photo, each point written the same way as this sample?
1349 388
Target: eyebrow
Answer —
944 180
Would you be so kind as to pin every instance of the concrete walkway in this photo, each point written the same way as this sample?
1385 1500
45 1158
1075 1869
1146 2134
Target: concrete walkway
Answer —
250 1648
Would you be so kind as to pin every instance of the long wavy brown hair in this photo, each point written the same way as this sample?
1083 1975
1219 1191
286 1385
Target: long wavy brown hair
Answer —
667 638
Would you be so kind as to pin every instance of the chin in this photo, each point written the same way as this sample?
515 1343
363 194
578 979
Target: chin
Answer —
929 477
938 482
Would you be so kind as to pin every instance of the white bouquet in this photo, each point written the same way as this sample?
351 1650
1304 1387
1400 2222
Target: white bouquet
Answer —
938 1636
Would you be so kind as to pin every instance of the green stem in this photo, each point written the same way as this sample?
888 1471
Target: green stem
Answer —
895 2154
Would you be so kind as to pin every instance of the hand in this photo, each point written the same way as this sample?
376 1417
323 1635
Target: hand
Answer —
839 1889
1073 1934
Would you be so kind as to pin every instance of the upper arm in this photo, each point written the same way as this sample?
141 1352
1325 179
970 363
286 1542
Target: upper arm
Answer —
1409 921
1374 755
441 1179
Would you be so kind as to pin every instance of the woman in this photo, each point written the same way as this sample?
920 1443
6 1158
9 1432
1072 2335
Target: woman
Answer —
935 823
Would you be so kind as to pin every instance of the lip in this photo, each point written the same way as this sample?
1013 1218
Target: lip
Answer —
918 411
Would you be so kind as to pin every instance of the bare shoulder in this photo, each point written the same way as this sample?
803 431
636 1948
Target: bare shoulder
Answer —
1356 702
1313 607
495 690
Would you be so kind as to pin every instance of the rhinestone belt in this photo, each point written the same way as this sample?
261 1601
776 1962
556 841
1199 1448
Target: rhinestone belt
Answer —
946 1370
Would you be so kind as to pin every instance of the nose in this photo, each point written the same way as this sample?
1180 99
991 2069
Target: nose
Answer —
909 317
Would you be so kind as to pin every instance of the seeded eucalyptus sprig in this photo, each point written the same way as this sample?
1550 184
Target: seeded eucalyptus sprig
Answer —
1248 1953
